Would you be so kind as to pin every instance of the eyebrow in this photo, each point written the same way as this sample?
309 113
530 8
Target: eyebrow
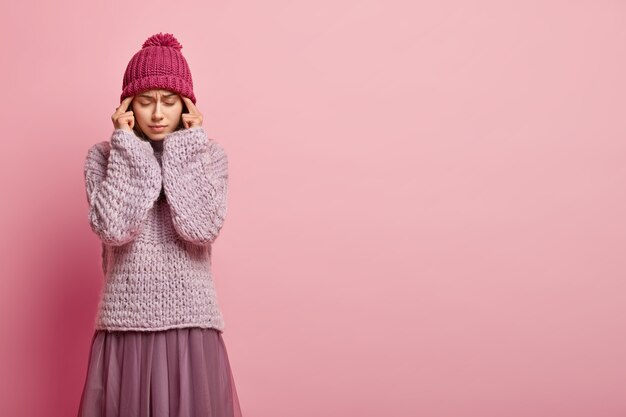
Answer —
164 95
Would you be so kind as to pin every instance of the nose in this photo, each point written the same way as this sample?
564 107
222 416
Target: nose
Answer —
157 115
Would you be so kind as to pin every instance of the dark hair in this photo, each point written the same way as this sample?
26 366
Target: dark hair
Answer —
143 136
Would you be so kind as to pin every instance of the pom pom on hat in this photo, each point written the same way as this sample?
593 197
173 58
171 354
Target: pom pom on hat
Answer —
161 39
158 64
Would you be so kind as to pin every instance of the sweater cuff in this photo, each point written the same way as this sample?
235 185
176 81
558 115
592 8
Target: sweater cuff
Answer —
186 143
122 138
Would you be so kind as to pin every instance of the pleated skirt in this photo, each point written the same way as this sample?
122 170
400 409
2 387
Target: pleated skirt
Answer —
182 372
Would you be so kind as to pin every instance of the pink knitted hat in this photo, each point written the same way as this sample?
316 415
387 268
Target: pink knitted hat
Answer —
159 64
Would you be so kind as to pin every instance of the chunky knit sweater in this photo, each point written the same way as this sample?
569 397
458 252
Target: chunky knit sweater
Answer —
157 206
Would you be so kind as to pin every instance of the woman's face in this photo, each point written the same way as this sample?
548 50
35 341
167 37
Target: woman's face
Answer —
157 107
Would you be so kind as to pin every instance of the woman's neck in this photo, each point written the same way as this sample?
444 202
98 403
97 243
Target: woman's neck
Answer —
157 145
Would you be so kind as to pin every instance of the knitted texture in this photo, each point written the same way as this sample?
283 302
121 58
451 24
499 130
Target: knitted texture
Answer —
158 64
157 208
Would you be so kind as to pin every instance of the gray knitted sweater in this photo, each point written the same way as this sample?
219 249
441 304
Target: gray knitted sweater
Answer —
157 206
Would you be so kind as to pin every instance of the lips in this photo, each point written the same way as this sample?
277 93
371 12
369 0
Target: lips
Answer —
157 128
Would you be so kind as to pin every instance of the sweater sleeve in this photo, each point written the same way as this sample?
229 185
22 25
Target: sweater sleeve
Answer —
195 180
122 180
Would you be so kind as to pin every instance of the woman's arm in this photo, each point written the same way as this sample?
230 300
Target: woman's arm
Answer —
122 180
195 180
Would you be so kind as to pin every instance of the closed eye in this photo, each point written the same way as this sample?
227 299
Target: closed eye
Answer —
167 104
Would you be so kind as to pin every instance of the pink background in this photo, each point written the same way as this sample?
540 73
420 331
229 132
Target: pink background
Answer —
426 209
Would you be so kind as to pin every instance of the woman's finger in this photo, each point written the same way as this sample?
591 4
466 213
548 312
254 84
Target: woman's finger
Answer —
124 105
191 120
190 106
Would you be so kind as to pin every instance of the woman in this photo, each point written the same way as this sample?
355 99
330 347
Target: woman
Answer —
157 200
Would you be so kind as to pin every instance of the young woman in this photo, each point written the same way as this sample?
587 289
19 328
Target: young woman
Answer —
157 200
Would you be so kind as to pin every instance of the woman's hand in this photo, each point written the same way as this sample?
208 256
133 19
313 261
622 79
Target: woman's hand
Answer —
123 119
194 117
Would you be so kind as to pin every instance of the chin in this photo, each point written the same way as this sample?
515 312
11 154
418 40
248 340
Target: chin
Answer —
156 136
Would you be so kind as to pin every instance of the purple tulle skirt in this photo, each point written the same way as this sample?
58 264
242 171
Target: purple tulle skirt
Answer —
181 372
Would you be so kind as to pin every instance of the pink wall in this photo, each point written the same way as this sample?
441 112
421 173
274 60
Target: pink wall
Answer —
426 212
